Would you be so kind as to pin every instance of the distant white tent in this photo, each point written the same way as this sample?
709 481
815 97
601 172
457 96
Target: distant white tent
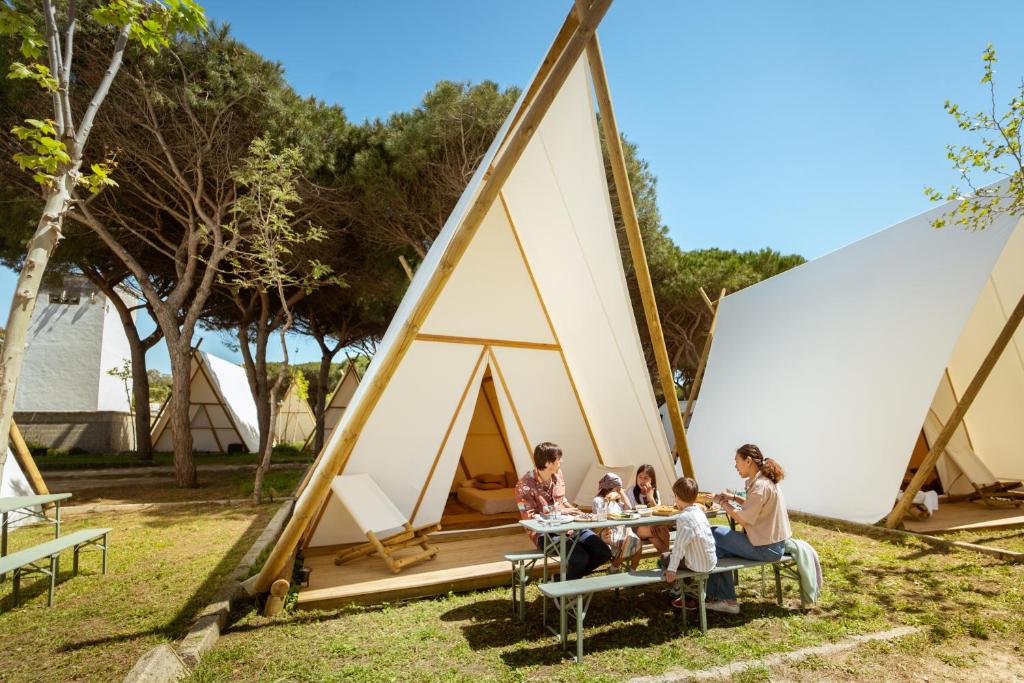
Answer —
342 396
221 410
527 289
13 482
295 419
833 367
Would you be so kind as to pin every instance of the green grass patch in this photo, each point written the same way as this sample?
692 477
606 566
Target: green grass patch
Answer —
63 460
872 584
163 568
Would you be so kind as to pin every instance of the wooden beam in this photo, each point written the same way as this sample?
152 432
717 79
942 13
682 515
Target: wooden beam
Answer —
636 245
707 299
698 376
387 362
27 463
405 266
962 406
484 341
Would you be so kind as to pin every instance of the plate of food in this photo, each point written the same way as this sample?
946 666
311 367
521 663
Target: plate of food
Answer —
644 511
586 517
558 519
623 515
665 510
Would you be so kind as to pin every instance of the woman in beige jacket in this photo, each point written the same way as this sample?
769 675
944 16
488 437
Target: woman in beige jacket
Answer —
763 516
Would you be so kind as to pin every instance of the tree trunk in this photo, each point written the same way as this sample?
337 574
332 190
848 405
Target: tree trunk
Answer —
181 375
42 244
263 465
320 401
140 392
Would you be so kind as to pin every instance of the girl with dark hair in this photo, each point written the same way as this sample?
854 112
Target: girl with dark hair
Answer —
645 492
763 516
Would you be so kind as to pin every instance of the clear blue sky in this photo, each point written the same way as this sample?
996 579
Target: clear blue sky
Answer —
798 125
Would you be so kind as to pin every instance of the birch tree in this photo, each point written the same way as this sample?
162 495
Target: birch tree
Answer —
266 261
55 141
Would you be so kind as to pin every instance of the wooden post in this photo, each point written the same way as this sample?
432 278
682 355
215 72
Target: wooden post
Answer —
925 470
405 266
707 300
636 244
698 376
27 462
388 361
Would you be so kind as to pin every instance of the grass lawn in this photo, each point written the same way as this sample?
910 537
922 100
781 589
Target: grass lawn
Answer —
970 608
65 461
160 488
164 566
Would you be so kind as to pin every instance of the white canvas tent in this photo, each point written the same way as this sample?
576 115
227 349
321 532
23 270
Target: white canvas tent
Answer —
832 367
340 399
221 408
525 283
295 420
13 482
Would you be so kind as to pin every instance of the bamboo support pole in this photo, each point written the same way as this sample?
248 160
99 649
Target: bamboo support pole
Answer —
27 463
698 376
707 299
388 361
962 406
636 245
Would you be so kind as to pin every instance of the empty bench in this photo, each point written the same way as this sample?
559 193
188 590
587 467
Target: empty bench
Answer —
45 557
583 590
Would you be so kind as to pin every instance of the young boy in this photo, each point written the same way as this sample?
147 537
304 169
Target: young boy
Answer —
694 547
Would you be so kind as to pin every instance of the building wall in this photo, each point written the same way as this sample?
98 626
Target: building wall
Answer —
65 398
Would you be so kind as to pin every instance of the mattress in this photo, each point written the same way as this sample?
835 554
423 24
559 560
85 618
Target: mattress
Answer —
488 502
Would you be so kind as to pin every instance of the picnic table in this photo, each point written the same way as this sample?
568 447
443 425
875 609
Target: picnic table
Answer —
562 530
17 508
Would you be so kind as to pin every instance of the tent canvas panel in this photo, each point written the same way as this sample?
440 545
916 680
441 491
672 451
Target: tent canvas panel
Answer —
15 483
295 419
832 366
340 399
994 421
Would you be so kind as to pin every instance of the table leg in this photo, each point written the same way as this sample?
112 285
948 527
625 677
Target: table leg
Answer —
563 561
3 542
57 518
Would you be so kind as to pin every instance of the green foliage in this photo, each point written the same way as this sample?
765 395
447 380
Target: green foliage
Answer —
48 153
998 153
37 73
152 24
159 386
21 25
301 384
264 216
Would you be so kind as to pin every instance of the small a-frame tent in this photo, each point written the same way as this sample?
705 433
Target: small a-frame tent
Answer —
221 409
342 396
20 475
524 284
295 420
833 367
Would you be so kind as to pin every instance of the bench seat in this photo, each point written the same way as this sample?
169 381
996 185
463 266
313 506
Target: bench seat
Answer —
583 589
28 561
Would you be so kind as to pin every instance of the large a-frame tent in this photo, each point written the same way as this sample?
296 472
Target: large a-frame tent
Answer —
834 367
524 285
221 411
295 420
342 396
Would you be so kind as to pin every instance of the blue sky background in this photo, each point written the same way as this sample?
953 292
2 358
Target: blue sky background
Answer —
797 125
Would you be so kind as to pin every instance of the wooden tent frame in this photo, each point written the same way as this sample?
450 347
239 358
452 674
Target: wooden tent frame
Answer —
384 548
1013 321
577 34
26 462
698 376
159 429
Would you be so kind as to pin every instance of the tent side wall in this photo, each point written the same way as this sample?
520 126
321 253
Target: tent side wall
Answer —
832 366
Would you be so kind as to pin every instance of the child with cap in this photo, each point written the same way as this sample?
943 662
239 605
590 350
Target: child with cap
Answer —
624 543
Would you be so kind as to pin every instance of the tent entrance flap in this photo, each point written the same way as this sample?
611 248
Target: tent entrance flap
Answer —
482 492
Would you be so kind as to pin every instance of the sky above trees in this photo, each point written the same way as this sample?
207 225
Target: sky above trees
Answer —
802 125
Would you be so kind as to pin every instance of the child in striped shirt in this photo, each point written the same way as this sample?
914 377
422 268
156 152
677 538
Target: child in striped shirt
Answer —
694 547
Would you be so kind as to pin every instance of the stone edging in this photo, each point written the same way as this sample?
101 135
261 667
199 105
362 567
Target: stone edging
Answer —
166 663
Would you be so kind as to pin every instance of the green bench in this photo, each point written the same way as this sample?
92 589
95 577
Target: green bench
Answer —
30 560
583 590
522 564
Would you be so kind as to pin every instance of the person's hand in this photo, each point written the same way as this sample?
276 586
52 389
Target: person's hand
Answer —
670 577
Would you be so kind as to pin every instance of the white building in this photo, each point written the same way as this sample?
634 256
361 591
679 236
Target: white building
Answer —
65 396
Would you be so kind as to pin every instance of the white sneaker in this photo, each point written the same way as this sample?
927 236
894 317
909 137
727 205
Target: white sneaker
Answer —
722 606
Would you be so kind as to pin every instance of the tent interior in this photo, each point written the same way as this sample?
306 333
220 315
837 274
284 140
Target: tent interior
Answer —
483 489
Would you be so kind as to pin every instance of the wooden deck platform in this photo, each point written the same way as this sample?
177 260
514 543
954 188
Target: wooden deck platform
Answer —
966 515
465 561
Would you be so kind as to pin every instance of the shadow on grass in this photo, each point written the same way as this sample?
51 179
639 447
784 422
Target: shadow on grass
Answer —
177 626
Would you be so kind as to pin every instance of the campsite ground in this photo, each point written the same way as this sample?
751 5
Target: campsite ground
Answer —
969 609
165 565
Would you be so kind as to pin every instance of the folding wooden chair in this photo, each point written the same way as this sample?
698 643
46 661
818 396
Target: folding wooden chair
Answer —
384 525
988 488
